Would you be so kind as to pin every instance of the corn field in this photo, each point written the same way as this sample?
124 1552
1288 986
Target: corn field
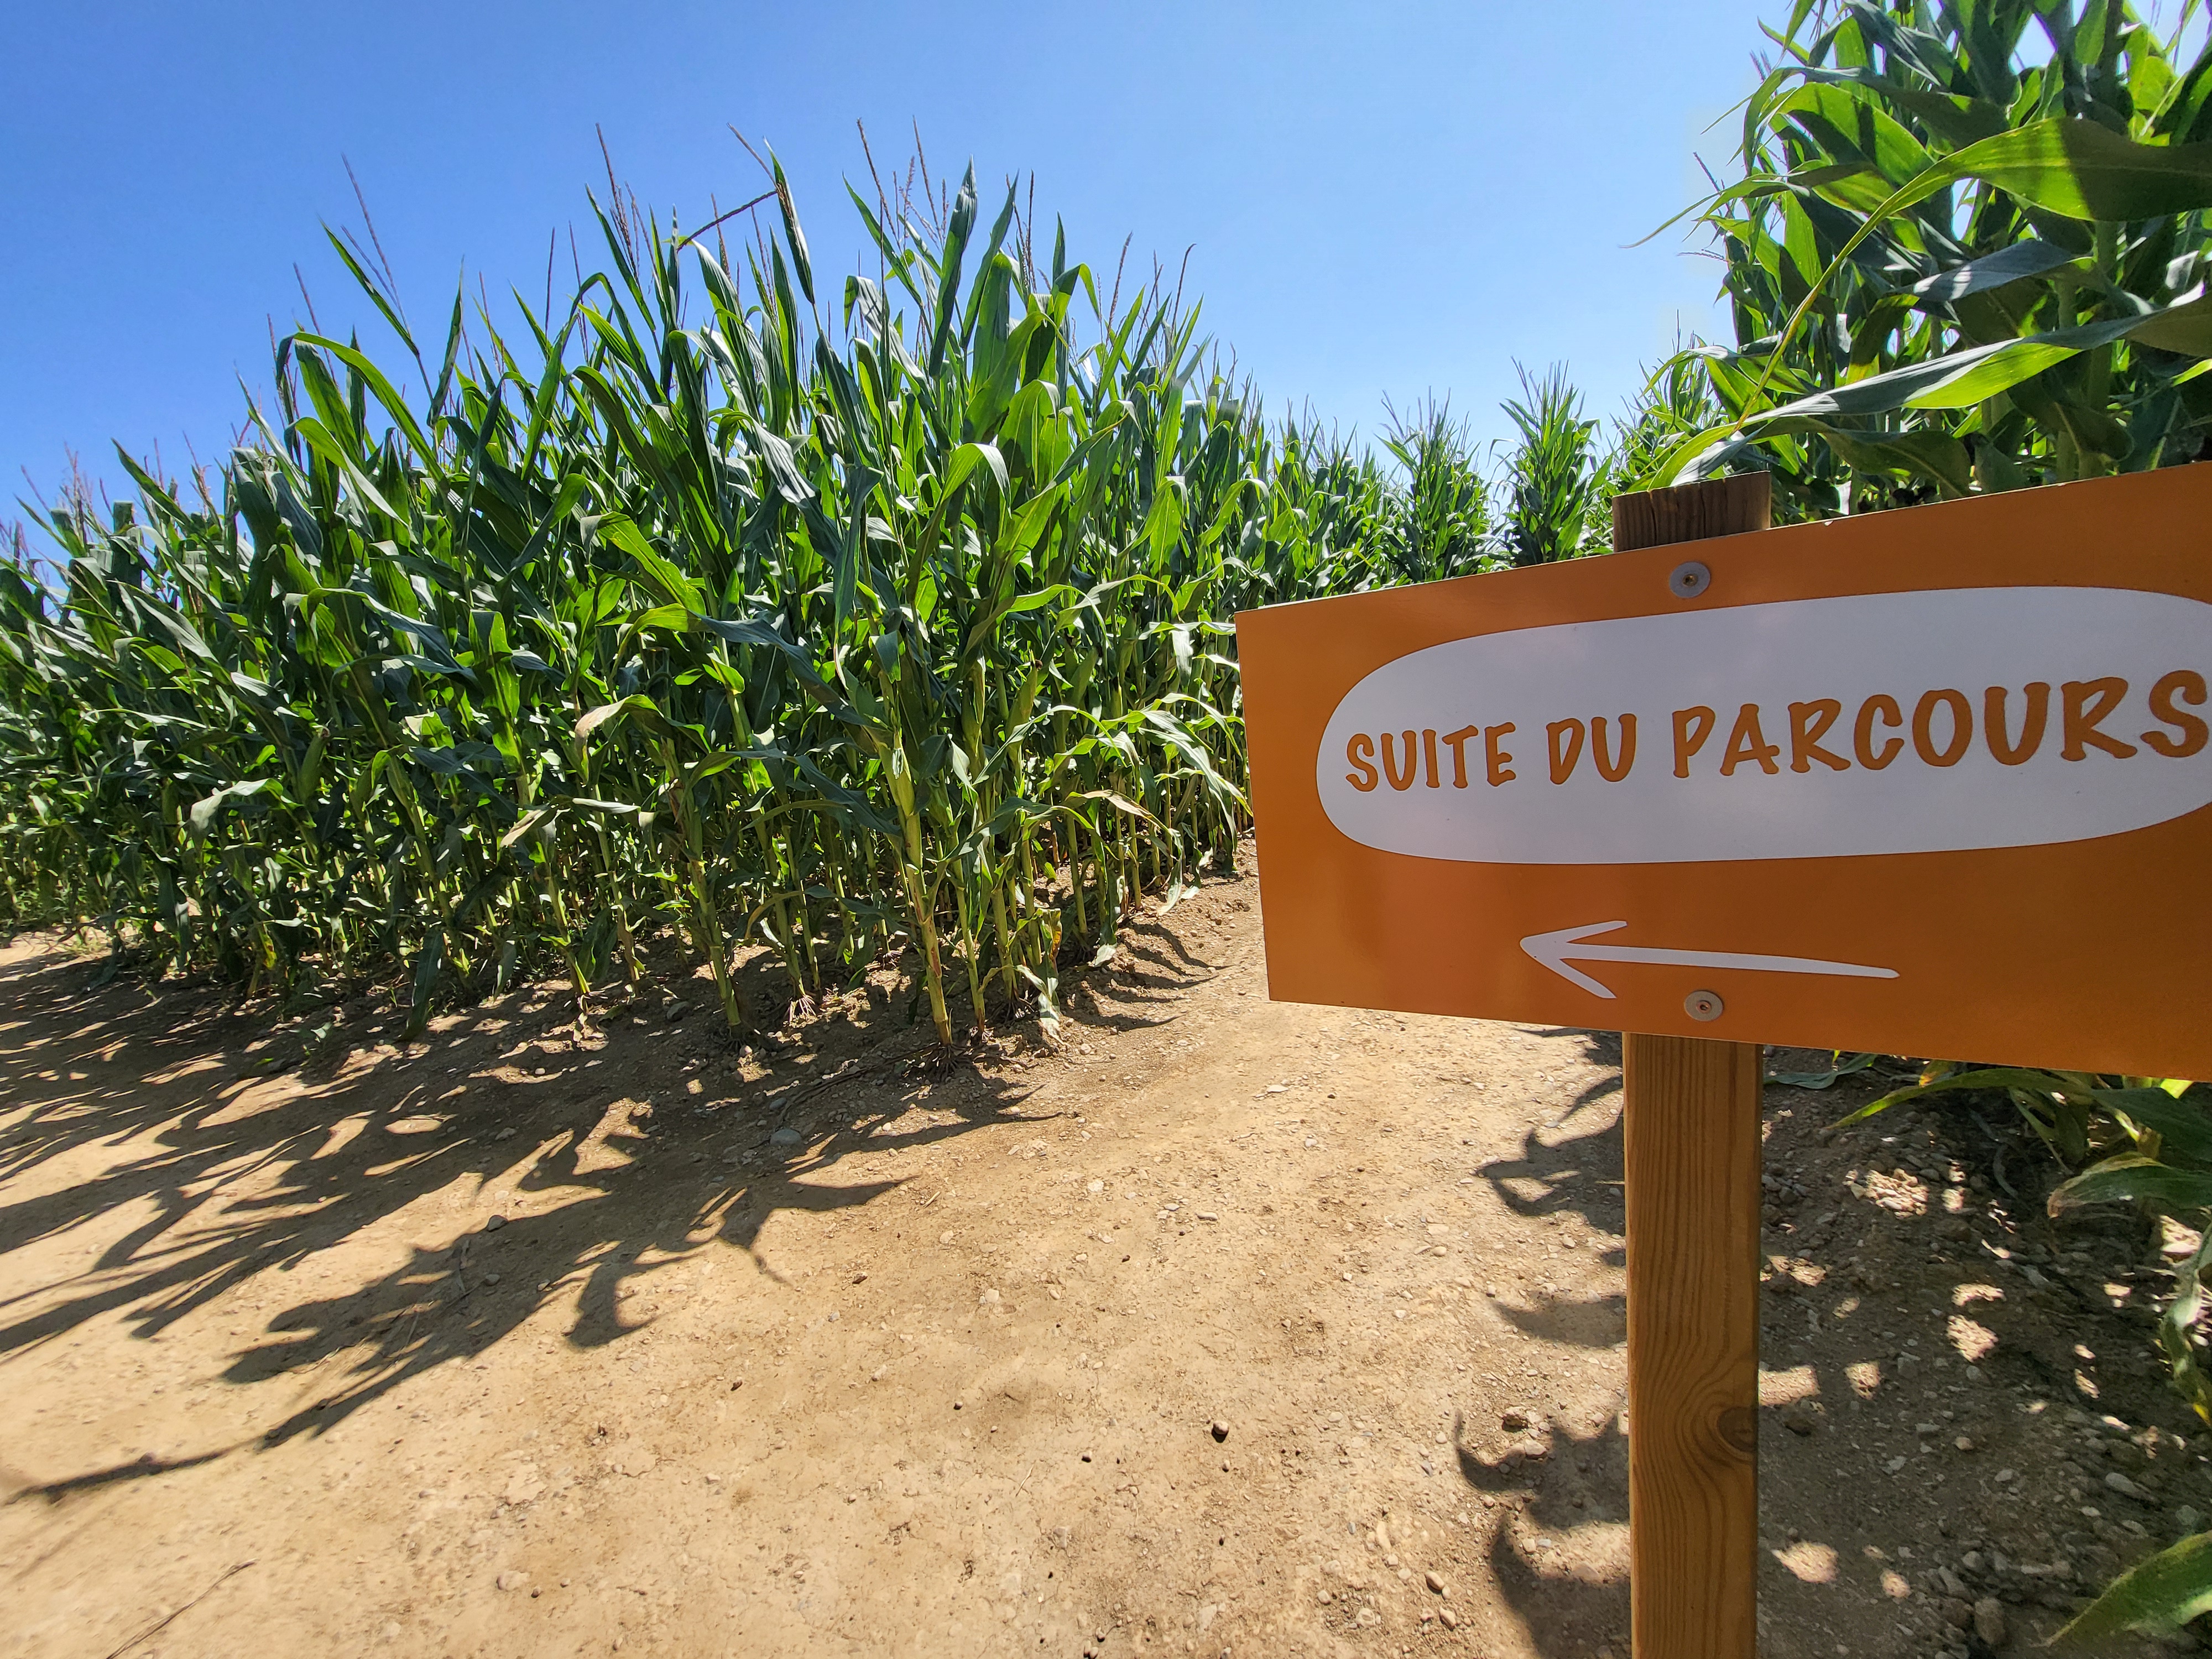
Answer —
1968 251
892 621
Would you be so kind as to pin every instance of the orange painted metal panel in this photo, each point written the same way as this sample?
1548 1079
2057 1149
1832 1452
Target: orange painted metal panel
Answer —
1933 781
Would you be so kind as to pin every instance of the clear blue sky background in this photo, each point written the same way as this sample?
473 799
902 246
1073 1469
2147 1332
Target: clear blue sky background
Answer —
1385 199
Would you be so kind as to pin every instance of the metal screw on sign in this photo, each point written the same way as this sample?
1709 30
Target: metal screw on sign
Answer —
1704 1004
1689 581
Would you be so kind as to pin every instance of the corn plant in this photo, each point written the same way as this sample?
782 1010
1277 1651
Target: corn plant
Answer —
1555 472
1957 265
708 606
1445 527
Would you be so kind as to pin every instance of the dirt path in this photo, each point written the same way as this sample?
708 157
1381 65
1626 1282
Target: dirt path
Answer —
516 1345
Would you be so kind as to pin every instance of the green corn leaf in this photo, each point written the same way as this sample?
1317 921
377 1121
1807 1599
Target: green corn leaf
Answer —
526 824
964 460
801 262
2176 1328
961 225
2031 257
738 631
2183 1125
2084 170
1047 987
2154 1597
429 962
1843 1069
437 654
393 404
667 583
1937 456
1986 1077
206 811
1961 378
2132 1177
637 706
1119 804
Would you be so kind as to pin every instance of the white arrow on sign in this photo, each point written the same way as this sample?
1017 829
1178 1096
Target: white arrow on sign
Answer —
1554 949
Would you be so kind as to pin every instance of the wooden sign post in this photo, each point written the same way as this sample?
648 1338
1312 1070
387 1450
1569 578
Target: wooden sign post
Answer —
1839 785
1690 1154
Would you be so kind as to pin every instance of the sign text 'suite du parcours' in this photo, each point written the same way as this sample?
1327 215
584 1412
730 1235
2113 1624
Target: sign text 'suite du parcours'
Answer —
1928 781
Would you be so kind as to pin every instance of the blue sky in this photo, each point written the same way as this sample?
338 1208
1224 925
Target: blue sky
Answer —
1383 200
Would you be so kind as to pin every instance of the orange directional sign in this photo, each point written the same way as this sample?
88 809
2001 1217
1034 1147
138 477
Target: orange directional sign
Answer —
1933 781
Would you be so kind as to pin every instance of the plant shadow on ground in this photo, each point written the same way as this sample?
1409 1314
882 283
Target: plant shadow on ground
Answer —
505 1111
1817 1485
648 1139
1570 1164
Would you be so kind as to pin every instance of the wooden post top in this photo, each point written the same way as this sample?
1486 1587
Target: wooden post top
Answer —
1692 512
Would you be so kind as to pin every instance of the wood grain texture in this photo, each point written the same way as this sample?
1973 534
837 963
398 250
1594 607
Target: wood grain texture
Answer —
1691 1154
1690 513
1691 1146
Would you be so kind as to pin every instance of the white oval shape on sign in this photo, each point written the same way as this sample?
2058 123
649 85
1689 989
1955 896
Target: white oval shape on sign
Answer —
2139 754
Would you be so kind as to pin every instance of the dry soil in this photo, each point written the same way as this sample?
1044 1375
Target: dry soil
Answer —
1218 1327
